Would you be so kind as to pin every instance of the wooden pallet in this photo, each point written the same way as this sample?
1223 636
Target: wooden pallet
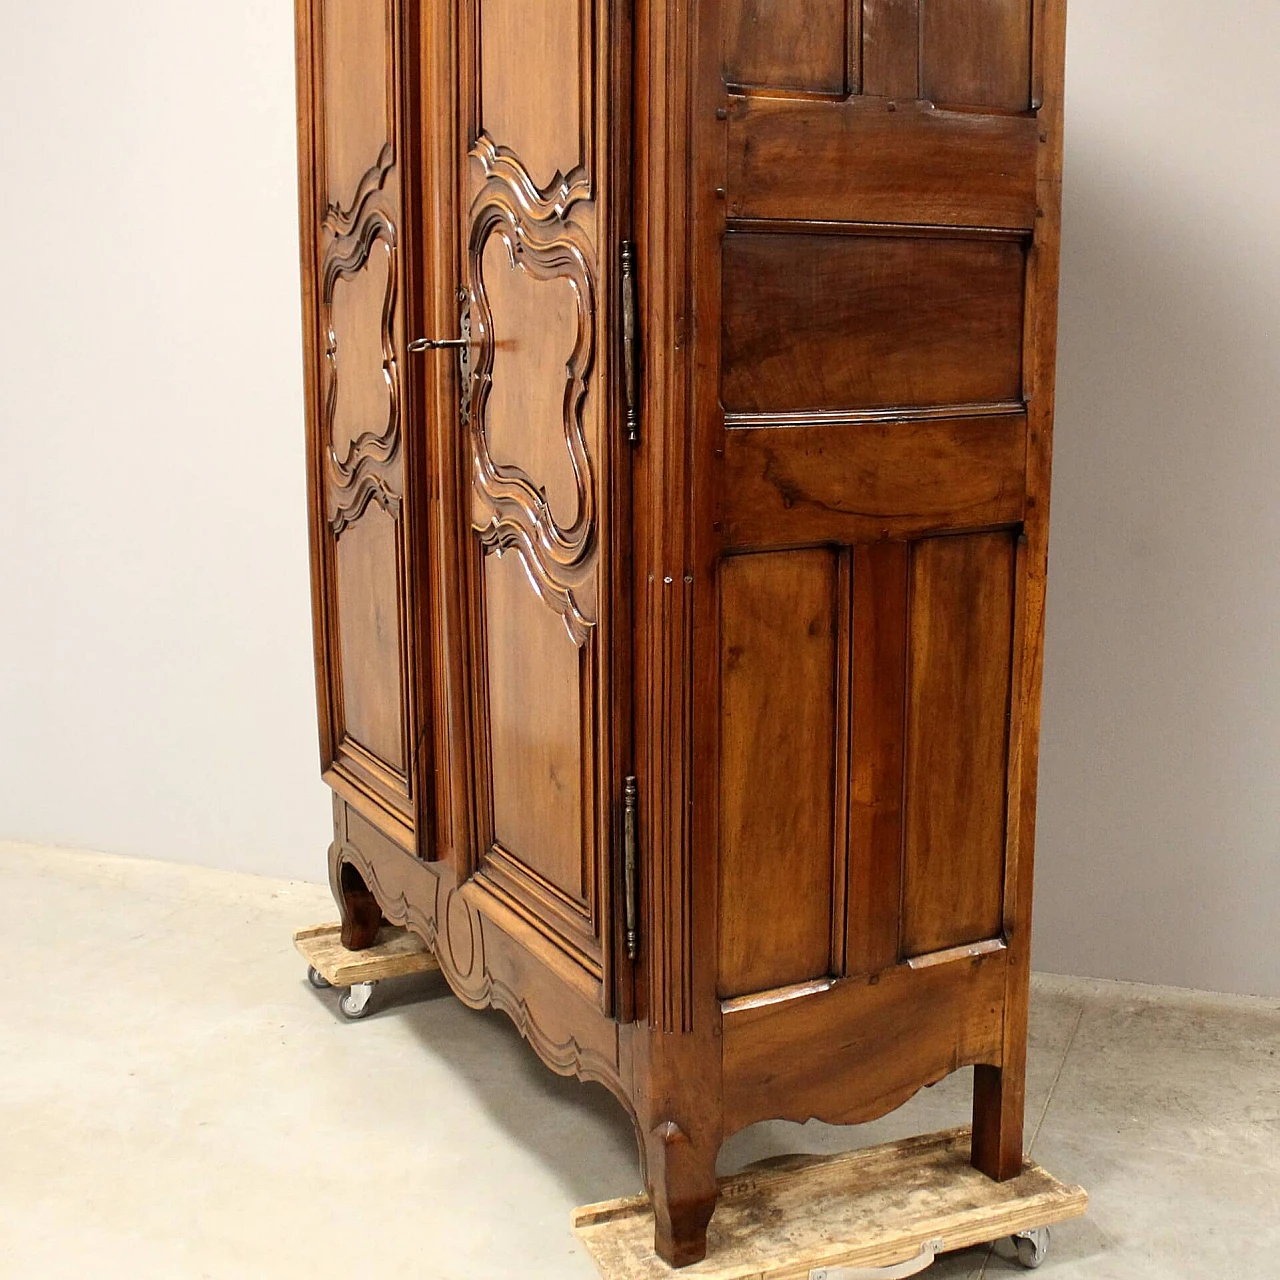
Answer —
396 952
797 1217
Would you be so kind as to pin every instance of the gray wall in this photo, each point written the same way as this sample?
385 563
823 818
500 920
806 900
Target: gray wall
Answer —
155 687
1159 833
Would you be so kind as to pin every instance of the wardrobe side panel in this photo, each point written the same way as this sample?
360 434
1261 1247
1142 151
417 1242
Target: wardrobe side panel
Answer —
970 53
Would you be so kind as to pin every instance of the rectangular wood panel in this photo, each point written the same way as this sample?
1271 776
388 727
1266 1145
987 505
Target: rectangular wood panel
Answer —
535 729
524 409
370 625
779 755
976 53
875 796
859 161
856 481
859 322
961 642
801 44
891 47
357 97
530 82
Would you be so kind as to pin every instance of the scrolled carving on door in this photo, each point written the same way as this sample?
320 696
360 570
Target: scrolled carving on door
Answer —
341 222
539 205
353 470
511 510
370 489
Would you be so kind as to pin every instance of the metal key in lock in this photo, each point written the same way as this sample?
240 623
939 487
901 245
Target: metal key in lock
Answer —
462 345
419 345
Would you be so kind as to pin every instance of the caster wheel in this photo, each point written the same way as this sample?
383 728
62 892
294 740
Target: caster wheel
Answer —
357 1001
316 978
1032 1247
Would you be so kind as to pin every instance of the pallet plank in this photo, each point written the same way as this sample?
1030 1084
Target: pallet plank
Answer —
395 953
869 1208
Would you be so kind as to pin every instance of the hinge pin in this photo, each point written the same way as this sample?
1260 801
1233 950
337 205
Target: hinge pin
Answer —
630 863
631 341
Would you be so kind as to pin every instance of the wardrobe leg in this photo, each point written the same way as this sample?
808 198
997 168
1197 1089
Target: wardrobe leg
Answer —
682 1190
998 1102
361 915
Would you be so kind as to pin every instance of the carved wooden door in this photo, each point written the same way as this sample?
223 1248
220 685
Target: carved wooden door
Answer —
362 458
534 226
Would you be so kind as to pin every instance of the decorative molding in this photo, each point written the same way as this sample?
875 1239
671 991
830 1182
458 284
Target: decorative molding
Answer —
511 509
835 419
671 858
370 489
541 205
340 222
346 259
531 884
461 929
566 1057
474 985
507 881
500 536
857 1112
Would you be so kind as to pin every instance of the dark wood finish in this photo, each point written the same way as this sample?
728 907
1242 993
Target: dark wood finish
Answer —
890 48
852 1049
867 161
866 322
854 478
976 55
813 39
961 624
876 792
803 611
779 618
361 915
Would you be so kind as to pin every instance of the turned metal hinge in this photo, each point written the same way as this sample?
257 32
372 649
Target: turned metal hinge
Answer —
630 865
631 341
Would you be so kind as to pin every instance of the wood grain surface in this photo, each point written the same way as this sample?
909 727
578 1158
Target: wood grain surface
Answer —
395 953
679 641
869 1208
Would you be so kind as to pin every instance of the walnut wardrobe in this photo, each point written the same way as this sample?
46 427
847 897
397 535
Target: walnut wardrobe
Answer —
680 399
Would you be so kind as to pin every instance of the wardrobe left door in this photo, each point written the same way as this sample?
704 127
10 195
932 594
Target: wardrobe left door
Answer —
363 462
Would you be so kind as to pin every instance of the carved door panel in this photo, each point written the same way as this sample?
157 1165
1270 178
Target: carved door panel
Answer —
883 304
540 437
353 263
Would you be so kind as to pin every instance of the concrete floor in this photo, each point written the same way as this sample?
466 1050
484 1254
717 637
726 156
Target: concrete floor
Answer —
176 1101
